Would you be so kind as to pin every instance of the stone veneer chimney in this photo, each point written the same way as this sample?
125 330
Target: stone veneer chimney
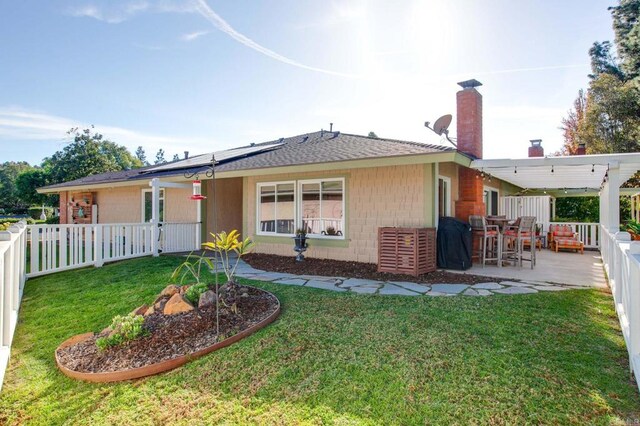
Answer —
469 133
536 149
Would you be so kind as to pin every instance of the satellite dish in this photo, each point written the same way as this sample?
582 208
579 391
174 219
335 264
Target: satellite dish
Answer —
442 124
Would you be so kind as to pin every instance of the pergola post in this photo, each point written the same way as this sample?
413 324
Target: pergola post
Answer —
610 200
155 216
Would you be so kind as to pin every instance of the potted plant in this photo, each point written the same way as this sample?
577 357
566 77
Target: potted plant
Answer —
633 228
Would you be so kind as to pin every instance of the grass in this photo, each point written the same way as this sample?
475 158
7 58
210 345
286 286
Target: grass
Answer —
331 358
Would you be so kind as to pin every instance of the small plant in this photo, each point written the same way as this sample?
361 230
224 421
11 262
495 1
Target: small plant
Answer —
226 244
191 268
123 329
194 292
301 232
633 226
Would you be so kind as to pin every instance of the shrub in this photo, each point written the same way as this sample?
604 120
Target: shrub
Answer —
36 211
124 329
193 293
54 220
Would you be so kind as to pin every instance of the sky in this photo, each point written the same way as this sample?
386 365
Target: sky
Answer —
204 75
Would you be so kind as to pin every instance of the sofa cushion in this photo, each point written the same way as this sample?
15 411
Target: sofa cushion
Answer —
568 242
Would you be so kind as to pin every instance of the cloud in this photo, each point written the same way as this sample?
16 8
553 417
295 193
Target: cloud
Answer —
112 12
18 124
194 35
203 9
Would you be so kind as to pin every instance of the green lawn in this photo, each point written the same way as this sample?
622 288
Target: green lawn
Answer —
331 358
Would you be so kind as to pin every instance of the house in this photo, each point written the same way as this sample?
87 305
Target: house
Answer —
340 186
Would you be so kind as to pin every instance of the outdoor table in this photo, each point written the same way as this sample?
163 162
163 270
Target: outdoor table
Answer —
500 221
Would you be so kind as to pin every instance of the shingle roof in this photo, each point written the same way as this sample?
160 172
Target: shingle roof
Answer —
310 148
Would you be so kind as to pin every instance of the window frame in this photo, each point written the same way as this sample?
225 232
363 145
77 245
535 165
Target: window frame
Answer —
489 204
447 181
297 199
344 196
161 198
295 207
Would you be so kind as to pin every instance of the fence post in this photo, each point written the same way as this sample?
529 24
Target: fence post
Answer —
97 246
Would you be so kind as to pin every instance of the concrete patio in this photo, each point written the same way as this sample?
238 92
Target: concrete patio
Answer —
551 267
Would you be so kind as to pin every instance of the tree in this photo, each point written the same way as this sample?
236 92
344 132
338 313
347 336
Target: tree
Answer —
176 157
160 157
27 183
9 193
142 156
626 26
87 155
571 124
372 135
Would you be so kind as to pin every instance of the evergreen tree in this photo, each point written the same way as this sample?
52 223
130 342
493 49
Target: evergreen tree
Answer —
160 157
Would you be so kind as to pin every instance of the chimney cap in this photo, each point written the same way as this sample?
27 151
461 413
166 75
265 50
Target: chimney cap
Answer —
469 84
536 142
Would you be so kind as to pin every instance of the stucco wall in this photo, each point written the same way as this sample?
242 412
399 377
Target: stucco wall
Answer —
374 197
124 205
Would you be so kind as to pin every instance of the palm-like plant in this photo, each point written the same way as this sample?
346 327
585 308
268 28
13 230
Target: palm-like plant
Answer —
225 244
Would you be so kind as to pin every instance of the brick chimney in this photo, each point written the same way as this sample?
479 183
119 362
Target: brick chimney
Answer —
469 132
536 149
582 149
469 118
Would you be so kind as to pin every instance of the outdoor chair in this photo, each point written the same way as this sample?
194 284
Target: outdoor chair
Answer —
514 240
563 237
489 237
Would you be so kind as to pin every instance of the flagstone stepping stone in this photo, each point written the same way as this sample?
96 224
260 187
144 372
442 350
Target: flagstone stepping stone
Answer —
449 288
319 278
291 281
482 292
324 285
437 294
515 284
364 290
487 286
420 288
549 288
389 289
353 282
516 290
271 276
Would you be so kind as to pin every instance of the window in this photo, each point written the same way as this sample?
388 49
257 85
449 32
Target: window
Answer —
322 207
491 201
276 208
146 205
444 196
314 205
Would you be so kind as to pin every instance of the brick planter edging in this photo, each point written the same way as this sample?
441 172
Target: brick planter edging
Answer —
159 367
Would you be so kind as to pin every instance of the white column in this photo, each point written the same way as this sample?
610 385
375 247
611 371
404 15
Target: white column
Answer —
155 215
613 198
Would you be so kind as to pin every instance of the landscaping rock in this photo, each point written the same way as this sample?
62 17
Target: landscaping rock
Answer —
140 310
208 298
170 290
177 305
183 289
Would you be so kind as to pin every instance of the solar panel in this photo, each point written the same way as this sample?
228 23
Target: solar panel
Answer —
205 159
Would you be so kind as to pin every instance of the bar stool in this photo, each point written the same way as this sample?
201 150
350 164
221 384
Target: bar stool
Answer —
514 238
489 239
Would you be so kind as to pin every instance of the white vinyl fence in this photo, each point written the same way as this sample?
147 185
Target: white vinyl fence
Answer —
54 248
621 259
12 277
177 237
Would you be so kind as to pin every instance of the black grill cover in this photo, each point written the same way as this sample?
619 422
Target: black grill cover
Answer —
454 244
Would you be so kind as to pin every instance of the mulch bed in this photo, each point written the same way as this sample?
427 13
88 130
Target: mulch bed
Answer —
170 336
340 268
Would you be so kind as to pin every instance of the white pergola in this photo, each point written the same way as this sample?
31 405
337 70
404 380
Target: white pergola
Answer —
601 174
